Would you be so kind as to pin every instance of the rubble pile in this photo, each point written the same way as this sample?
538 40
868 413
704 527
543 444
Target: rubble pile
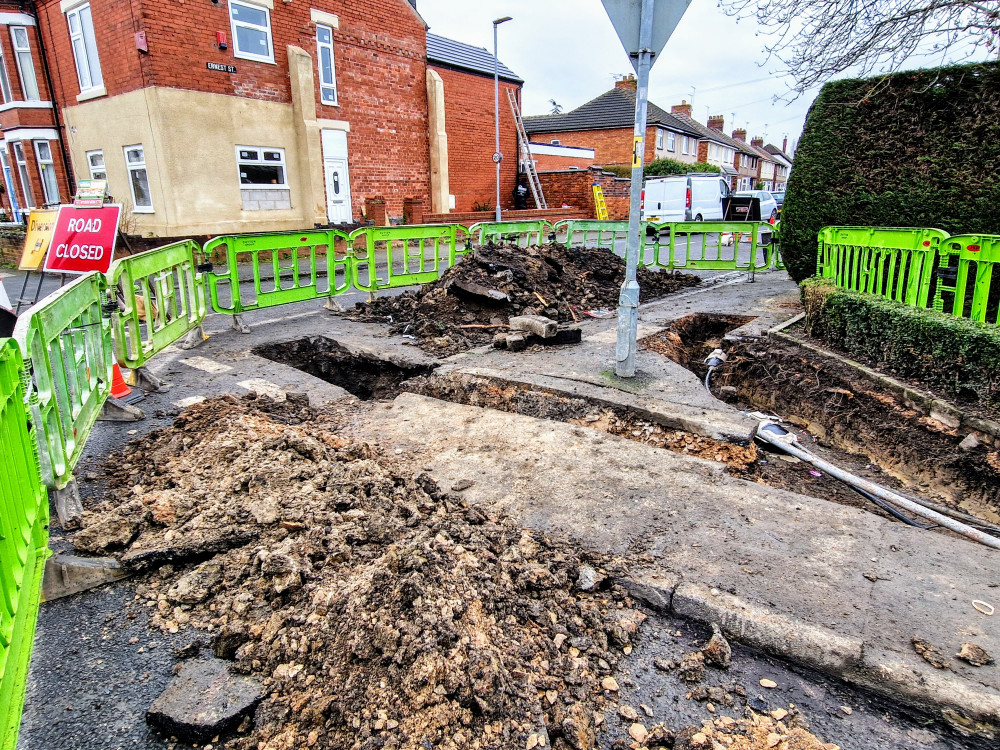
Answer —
475 298
375 608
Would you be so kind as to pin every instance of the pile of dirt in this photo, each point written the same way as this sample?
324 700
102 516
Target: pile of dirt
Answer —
475 298
756 732
377 609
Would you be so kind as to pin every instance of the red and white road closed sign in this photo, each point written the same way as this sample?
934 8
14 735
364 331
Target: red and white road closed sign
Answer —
83 240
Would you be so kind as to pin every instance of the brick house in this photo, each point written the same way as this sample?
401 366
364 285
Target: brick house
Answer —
606 124
242 115
460 77
747 162
714 146
767 165
31 151
782 165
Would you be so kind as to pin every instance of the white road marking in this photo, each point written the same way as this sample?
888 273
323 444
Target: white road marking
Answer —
206 364
264 387
190 401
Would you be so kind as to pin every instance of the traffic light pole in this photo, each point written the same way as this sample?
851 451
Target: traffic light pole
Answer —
628 298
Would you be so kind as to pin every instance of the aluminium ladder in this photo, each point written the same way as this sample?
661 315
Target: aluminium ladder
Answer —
525 154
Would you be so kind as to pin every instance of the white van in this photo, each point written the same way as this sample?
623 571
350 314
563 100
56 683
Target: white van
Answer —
692 197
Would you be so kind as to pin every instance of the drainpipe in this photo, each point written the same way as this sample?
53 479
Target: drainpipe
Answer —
28 6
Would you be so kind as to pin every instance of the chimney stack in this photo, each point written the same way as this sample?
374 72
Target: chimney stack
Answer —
628 82
784 145
716 122
758 142
681 109
740 134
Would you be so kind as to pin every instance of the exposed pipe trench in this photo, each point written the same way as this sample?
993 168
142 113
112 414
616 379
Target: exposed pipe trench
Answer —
780 438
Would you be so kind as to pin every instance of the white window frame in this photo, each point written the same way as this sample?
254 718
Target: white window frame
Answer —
671 140
659 138
261 149
47 167
84 44
234 24
21 165
5 89
25 64
97 172
135 167
332 84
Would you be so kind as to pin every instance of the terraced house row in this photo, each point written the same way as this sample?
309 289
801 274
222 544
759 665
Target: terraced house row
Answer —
217 116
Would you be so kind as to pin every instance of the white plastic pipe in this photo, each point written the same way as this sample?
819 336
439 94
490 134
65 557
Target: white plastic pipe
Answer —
768 432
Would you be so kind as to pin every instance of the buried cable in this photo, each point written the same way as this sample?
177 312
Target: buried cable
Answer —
716 359
779 437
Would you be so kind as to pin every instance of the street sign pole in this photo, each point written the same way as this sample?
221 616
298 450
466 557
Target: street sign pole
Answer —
628 298
644 26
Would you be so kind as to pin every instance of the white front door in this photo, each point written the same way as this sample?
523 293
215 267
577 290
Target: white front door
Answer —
338 183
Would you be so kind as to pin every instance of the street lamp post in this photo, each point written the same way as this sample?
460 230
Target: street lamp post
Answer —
497 156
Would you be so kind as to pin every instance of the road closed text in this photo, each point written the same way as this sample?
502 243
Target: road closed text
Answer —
83 252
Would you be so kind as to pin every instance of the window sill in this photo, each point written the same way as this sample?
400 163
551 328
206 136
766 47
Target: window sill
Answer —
254 58
19 104
264 187
92 93
143 210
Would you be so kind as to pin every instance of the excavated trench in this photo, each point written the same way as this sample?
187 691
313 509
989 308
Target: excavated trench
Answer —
367 377
857 424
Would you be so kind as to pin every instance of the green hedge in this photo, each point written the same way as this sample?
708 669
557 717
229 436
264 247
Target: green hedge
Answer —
914 149
947 355
664 167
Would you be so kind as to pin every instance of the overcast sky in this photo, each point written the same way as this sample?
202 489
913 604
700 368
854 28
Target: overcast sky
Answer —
567 50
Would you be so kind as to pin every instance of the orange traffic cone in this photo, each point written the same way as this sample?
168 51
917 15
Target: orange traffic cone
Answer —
119 388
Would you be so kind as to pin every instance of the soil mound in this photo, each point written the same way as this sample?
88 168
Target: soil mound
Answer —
474 298
377 609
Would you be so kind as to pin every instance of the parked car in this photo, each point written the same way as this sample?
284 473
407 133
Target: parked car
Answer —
779 199
768 205
693 197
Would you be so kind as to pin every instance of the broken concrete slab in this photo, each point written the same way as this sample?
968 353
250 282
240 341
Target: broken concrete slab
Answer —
477 292
69 574
536 325
778 570
204 700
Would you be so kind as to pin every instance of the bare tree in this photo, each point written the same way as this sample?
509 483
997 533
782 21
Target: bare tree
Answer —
817 39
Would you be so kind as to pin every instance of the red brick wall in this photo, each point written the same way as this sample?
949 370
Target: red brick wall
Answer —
380 60
575 188
612 147
546 163
468 119
472 217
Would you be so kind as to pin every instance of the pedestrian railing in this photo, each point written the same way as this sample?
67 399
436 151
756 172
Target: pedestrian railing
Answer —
283 267
385 257
592 233
161 297
66 340
24 518
968 277
708 245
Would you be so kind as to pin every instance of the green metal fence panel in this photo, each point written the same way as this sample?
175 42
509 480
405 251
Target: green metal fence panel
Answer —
968 277
265 270
894 263
162 297
24 519
520 233
67 341
709 245
386 257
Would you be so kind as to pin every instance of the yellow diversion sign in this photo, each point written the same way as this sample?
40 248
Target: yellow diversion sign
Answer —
41 222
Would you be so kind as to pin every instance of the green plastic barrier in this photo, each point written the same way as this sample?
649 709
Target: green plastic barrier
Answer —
318 265
24 519
385 257
67 341
594 233
520 233
709 245
973 261
894 263
163 297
